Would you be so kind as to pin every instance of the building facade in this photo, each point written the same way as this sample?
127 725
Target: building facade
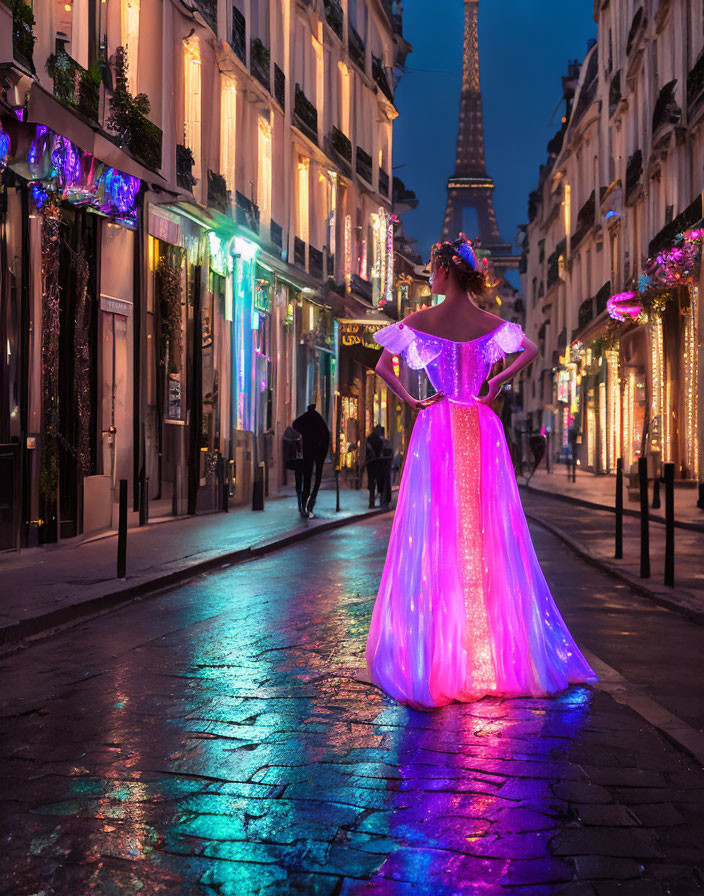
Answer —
611 263
194 196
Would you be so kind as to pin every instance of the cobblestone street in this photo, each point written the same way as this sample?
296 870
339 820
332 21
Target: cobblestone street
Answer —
213 740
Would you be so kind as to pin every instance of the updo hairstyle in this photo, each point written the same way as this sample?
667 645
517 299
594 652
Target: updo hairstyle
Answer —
459 259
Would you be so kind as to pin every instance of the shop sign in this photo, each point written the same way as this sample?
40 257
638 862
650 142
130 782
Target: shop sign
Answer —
163 227
360 334
115 306
262 295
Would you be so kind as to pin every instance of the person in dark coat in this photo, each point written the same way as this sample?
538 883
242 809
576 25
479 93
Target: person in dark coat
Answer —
375 463
316 443
293 460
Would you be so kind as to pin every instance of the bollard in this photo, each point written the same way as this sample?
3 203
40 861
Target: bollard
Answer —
225 496
122 532
656 493
618 554
670 525
337 489
143 501
644 519
258 488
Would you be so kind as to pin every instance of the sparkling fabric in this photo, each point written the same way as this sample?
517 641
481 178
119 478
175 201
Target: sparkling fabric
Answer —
463 608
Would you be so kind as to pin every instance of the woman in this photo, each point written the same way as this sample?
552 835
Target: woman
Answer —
463 609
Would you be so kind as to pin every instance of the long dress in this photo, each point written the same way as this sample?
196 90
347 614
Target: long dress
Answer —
463 609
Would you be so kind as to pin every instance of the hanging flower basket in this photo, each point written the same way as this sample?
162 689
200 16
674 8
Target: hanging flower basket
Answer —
624 306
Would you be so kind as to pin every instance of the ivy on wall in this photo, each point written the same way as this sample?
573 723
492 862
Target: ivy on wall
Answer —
169 290
49 474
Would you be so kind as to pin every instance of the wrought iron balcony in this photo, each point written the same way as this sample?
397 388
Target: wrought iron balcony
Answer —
362 287
209 10
634 170
246 212
379 75
695 83
357 49
299 252
585 220
363 165
305 115
585 313
73 84
259 61
341 144
666 109
238 39
383 182
334 16
22 33
184 167
639 21
315 262
218 194
279 86
688 218
602 297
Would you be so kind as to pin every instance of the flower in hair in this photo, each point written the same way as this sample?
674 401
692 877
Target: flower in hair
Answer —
466 251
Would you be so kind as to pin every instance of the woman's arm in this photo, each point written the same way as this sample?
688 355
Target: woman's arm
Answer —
385 370
526 357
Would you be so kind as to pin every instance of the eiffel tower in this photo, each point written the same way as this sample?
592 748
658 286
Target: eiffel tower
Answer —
470 187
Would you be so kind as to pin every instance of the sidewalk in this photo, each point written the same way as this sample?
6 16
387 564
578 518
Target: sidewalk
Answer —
42 588
590 533
600 492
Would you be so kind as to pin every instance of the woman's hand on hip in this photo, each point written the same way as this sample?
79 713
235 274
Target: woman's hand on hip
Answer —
494 389
423 403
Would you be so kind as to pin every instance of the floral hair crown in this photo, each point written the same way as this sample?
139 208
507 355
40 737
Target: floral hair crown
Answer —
465 251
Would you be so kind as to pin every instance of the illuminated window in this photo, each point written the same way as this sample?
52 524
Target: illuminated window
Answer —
344 98
566 204
303 204
192 98
264 171
228 109
129 22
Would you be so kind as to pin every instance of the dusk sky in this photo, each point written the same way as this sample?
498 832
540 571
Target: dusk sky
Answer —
524 49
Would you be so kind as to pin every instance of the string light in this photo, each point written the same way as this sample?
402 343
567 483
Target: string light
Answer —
602 426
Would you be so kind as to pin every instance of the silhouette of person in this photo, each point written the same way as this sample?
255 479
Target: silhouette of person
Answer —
316 442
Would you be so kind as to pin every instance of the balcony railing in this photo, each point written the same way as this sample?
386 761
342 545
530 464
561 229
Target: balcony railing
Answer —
363 165
305 114
634 170
585 220
688 218
695 83
341 144
218 194
602 297
666 110
362 287
184 167
246 212
259 60
279 86
334 16
383 182
379 75
315 262
585 313
553 264
73 84
356 48
22 33
209 10
299 252
238 40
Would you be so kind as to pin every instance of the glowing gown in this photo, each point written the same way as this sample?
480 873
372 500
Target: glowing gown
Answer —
463 609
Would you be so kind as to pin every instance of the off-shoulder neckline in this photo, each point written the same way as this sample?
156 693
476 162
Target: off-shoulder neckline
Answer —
454 341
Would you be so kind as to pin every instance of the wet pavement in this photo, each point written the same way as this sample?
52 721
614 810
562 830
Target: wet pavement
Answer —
213 740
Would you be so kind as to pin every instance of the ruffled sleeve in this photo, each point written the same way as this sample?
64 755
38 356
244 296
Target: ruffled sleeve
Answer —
507 339
419 349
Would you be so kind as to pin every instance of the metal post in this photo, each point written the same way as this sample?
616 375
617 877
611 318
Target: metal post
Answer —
225 495
258 488
122 532
142 502
670 525
656 493
644 519
618 554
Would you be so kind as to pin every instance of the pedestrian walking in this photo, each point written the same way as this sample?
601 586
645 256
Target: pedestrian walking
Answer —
375 464
387 455
293 460
316 443
396 465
